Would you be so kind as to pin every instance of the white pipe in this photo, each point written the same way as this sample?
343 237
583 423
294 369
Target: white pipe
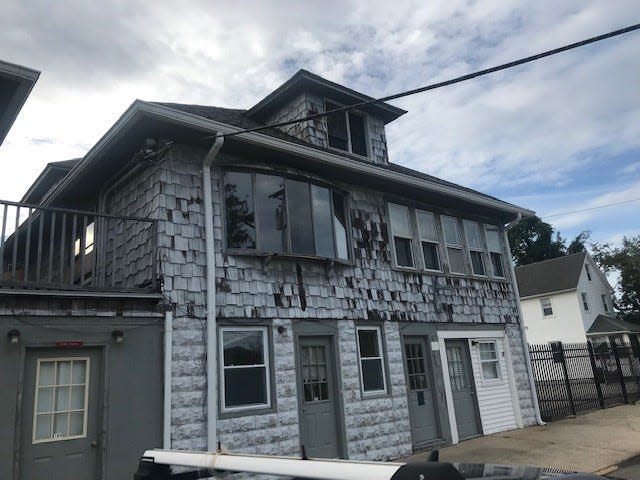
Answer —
523 332
168 354
271 465
212 392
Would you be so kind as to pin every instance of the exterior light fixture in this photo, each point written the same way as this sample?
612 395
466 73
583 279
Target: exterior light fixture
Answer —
281 330
14 336
118 336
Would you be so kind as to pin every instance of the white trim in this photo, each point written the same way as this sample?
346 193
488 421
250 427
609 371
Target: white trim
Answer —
54 386
495 360
267 368
513 388
377 329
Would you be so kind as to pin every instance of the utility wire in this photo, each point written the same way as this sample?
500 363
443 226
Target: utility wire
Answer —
434 86
592 208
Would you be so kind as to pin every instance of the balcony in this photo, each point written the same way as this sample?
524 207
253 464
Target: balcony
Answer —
45 248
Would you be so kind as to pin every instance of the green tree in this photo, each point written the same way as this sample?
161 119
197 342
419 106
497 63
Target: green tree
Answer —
579 244
625 260
532 240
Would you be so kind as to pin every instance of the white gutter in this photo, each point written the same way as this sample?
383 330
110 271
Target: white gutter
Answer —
168 354
212 391
523 332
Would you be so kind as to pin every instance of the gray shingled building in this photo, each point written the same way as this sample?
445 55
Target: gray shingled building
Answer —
284 287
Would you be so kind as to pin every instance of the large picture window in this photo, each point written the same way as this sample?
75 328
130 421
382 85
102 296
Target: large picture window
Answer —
244 360
453 242
274 214
372 373
347 130
476 246
402 236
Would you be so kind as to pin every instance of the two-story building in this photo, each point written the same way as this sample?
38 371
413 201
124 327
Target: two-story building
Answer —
267 290
569 299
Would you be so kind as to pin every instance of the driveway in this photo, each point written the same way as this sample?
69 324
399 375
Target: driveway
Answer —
587 443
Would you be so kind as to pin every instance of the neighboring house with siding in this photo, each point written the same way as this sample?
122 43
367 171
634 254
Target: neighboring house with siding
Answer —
569 299
311 292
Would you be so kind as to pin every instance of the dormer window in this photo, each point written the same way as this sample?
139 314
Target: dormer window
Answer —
346 130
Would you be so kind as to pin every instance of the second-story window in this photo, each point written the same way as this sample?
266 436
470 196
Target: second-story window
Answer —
453 242
428 239
274 214
605 302
476 246
495 250
586 268
585 301
547 308
346 130
402 237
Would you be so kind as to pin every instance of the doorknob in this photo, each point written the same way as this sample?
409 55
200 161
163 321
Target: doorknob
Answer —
94 444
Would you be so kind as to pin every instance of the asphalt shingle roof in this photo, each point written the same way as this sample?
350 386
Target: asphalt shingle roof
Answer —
554 275
607 324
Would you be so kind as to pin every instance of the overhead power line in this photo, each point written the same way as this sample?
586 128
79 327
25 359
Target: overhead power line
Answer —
434 86
592 208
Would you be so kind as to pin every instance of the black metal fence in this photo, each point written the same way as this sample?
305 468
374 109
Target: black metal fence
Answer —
577 377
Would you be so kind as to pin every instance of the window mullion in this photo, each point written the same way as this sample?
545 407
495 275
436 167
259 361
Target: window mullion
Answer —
347 123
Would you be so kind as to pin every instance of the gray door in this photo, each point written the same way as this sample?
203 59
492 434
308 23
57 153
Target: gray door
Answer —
61 414
317 393
463 389
422 409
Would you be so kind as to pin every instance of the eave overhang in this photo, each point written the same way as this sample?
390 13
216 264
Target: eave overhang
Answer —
16 83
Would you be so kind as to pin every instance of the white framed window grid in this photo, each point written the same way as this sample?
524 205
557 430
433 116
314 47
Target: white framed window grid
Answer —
371 358
494 246
400 222
428 236
453 243
585 301
489 361
475 243
547 308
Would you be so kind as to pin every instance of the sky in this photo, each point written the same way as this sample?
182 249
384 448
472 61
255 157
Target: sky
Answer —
555 136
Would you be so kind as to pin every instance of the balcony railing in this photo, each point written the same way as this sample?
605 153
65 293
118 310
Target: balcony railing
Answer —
60 248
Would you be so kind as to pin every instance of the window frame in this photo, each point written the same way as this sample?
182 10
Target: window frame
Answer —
586 269
496 361
500 250
55 386
448 245
365 118
287 253
585 301
266 345
605 302
410 237
381 357
542 307
436 241
470 249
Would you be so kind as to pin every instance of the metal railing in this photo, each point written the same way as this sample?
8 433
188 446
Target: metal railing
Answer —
47 247
576 377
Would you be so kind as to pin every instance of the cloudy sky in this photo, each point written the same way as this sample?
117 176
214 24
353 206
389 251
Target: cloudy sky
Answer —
555 136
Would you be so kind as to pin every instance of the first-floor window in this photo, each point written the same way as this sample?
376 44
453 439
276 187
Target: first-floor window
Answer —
371 360
489 361
545 304
244 357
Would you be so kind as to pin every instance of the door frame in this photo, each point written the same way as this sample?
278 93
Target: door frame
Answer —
101 451
432 382
329 329
467 335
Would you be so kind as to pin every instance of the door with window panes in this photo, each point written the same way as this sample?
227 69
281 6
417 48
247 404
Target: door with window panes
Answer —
61 414
317 393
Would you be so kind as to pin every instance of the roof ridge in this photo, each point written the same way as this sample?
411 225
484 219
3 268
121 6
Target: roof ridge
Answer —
561 257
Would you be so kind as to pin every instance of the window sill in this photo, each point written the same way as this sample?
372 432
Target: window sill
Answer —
442 273
357 155
374 396
246 412
285 256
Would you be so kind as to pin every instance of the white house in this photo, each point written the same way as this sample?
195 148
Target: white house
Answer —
569 299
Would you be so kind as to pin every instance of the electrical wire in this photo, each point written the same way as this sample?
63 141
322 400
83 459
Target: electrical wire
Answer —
434 86
592 208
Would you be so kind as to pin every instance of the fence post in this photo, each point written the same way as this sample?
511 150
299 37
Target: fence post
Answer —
595 375
566 379
614 348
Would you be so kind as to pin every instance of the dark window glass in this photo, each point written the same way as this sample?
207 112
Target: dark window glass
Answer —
430 251
358 135
243 347
372 376
586 267
340 226
271 213
241 232
321 206
300 221
245 386
368 342
403 252
337 127
477 263
456 263
496 262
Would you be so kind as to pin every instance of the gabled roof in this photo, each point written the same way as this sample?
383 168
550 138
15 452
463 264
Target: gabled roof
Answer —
607 324
549 276
16 83
50 176
304 80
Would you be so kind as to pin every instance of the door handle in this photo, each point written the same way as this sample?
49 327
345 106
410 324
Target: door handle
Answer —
94 444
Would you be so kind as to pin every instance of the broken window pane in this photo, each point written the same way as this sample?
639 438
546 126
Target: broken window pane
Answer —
337 127
321 205
358 135
300 221
271 213
238 192
340 226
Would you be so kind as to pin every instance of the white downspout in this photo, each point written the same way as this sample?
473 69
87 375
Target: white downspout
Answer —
212 391
168 354
523 332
